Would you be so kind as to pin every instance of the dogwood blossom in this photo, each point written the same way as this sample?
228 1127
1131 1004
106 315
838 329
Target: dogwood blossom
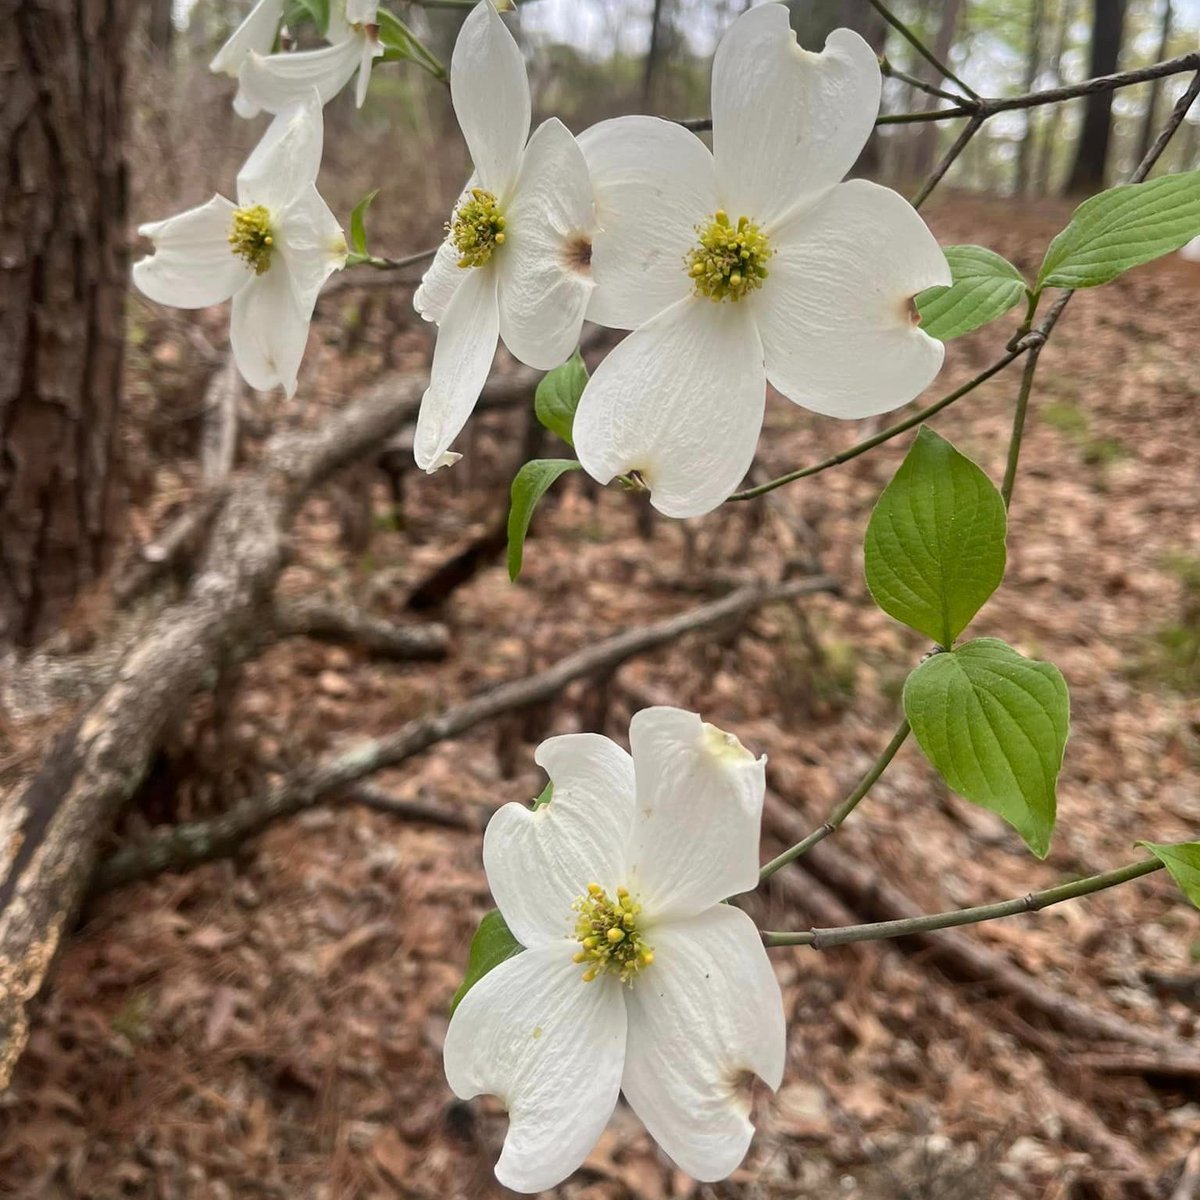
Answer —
271 252
270 82
256 33
749 264
635 977
516 262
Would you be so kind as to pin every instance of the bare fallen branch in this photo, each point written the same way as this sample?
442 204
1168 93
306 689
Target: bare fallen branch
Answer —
328 621
186 845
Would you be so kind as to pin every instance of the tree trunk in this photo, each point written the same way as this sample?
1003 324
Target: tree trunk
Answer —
1037 14
63 269
925 140
1053 121
653 53
161 29
1091 156
1149 125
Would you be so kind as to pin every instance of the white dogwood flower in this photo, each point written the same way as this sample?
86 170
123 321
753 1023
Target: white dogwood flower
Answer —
270 82
749 264
516 261
256 33
272 251
635 977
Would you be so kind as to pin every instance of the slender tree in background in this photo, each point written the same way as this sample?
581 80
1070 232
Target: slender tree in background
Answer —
1164 41
924 142
161 28
62 291
654 52
1053 122
1033 63
1091 154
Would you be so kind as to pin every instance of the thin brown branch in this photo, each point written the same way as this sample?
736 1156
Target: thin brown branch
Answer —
346 624
938 173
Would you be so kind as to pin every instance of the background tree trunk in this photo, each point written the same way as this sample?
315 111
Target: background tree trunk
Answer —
925 139
1033 62
1091 155
63 269
1053 120
1149 127
160 28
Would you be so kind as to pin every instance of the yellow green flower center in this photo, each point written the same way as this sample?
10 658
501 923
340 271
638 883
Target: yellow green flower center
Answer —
477 228
251 238
731 260
608 934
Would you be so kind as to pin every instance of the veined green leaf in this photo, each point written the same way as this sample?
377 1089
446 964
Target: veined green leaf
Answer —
358 223
528 486
492 944
985 287
1122 228
1182 860
557 396
935 542
995 725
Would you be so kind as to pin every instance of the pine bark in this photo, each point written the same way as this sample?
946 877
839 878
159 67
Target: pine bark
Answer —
63 271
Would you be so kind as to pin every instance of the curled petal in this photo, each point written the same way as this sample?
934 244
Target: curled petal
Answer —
268 331
192 265
680 401
439 283
654 184
270 83
551 1047
491 97
544 267
704 1019
257 32
836 313
699 809
285 162
463 356
787 124
312 244
539 862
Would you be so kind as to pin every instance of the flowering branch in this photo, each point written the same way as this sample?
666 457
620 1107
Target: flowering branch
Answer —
821 939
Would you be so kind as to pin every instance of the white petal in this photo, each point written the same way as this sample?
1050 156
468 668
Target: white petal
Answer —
703 1017
551 1047
286 161
787 124
681 400
1191 251
543 293
362 12
539 862
699 809
835 312
312 244
439 283
192 265
270 83
466 345
268 331
491 97
257 32
654 184
370 49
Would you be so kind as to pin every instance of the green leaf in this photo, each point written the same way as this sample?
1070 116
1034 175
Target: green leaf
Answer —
935 542
1122 228
1182 860
528 487
985 287
557 396
492 944
358 223
995 725
547 794
400 44
318 10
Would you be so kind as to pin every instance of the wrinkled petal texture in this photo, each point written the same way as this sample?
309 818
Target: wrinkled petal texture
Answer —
466 345
699 808
270 83
787 124
313 246
491 97
543 267
681 401
257 32
551 1047
703 1019
836 314
268 331
192 265
654 184
441 280
539 862
286 161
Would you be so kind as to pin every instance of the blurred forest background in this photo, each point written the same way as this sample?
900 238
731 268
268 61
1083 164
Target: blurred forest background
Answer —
229 934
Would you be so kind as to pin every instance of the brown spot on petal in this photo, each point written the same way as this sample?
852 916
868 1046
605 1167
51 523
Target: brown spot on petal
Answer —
914 314
579 253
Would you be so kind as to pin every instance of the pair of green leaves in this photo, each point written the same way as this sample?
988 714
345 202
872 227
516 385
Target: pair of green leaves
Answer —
992 722
554 404
1118 229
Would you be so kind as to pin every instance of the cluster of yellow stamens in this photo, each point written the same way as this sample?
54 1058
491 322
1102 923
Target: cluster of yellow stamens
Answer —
477 228
730 260
608 934
251 238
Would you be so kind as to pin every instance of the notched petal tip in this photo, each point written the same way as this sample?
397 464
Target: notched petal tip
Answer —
446 459
725 747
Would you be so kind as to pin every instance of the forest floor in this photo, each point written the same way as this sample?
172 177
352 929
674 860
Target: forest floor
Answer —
271 1026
